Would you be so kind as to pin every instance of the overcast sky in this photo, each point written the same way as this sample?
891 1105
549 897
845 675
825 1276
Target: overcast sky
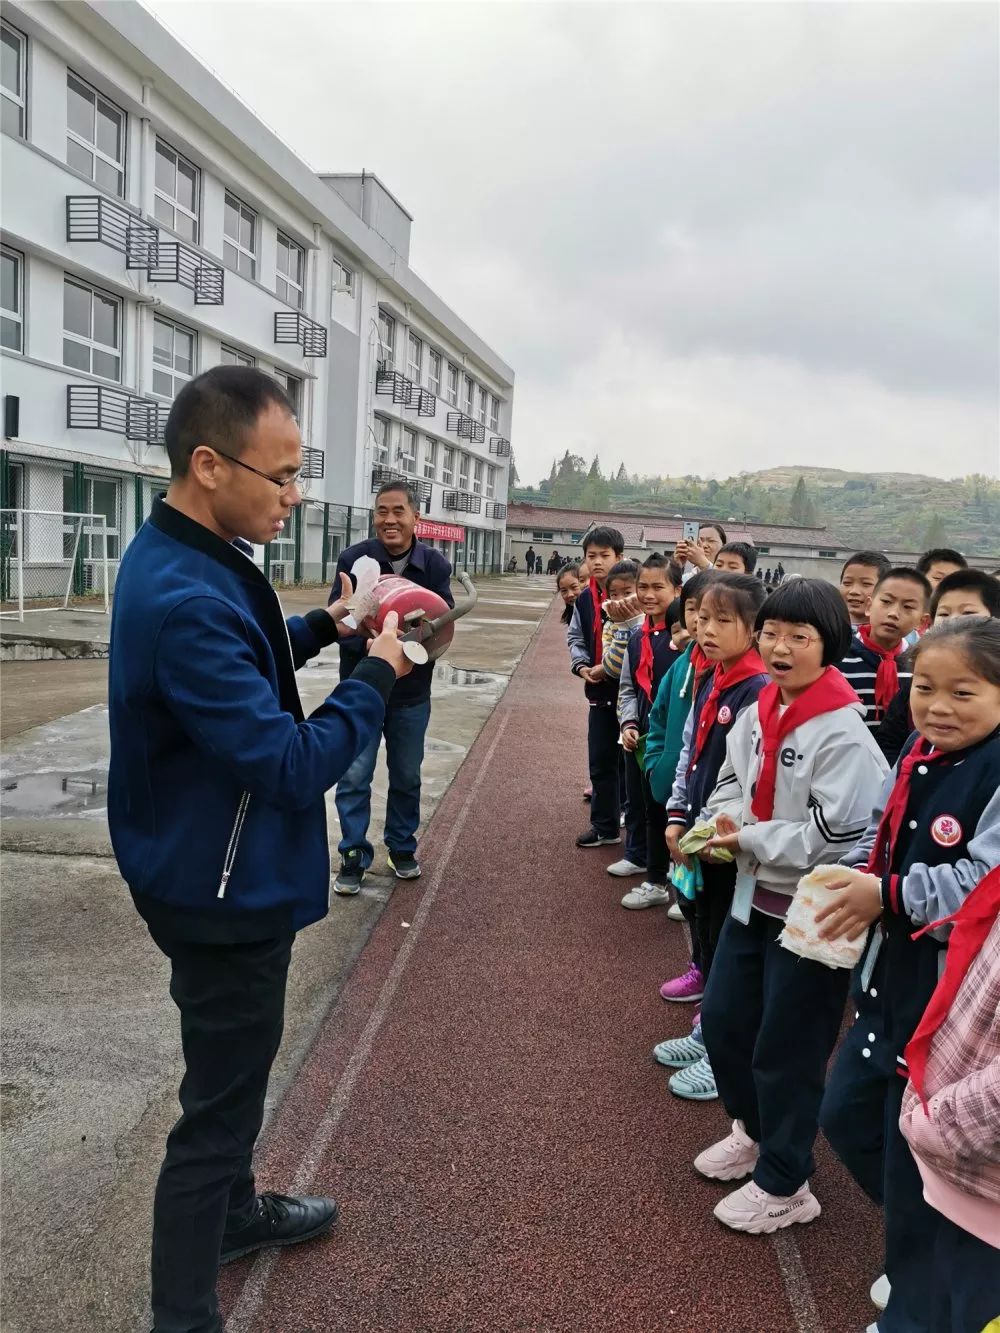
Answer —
708 237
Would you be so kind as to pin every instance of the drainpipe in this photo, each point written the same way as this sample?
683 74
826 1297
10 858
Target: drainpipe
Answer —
142 314
320 317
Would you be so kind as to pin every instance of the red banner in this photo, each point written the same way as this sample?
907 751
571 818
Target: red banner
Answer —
441 532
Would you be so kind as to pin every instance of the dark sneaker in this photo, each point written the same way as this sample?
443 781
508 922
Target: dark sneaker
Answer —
403 866
594 839
279 1220
351 874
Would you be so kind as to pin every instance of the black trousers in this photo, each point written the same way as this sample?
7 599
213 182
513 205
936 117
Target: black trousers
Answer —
231 999
602 756
711 907
657 856
770 1021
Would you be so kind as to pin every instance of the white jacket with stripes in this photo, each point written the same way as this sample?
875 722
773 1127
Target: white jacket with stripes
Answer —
829 775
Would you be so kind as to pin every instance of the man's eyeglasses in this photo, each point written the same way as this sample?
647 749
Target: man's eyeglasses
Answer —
282 483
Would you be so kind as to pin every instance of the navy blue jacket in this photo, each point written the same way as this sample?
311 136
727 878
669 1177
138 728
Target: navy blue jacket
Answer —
664 656
428 569
217 781
605 691
690 796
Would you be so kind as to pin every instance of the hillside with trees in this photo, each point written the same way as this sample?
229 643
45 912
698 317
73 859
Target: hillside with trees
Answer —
896 510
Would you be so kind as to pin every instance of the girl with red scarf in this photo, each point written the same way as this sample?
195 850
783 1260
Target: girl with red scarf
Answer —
801 775
934 837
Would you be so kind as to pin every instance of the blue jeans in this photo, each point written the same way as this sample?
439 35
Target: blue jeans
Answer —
404 730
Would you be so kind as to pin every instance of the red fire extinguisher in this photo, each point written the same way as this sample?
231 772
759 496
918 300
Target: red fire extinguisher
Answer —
426 620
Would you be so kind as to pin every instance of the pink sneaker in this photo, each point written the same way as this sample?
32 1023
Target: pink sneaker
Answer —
731 1158
686 989
752 1209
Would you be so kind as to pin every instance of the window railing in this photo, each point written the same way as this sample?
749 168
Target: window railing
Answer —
465 427
313 463
421 489
494 509
291 326
395 384
92 217
462 500
101 407
423 402
500 446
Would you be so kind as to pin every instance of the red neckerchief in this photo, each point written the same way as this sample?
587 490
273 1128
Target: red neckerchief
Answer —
880 861
972 924
699 661
825 695
644 671
887 676
750 664
597 598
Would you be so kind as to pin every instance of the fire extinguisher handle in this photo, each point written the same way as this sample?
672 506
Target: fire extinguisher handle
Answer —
461 608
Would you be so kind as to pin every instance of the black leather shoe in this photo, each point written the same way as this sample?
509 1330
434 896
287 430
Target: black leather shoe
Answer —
279 1220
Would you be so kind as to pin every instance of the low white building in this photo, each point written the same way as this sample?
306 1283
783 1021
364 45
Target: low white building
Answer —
152 228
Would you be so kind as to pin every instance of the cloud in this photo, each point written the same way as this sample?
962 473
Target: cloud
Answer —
729 230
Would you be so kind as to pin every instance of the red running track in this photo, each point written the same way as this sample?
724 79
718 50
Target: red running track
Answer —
483 1103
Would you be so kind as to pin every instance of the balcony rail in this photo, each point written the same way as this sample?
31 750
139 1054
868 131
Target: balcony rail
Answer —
103 407
291 326
462 500
91 217
381 474
465 427
500 446
173 261
313 463
395 383
494 509
423 402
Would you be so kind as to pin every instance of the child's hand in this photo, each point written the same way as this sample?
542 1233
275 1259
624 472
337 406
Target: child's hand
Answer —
857 905
673 835
630 737
592 674
726 824
728 840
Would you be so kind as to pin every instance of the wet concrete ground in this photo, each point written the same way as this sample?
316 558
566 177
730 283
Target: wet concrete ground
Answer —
90 1040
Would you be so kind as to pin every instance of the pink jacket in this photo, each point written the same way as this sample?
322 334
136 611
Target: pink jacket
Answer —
957 1145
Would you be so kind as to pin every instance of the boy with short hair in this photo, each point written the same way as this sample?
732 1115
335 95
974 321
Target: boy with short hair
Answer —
858 578
940 561
602 548
898 606
737 558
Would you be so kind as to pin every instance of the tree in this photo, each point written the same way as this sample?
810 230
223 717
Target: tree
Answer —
801 509
621 475
596 493
545 487
514 479
569 483
935 532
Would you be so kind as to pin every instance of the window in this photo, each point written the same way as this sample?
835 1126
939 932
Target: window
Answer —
101 495
491 481
239 245
232 357
408 452
433 370
453 385
95 136
828 553
343 276
483 398
387 337
470 396
175 192
430 459
173 357
494 412
477 478
414 357
291 271
381 441
14 50
292 386
12 318
463 471
763 550
447 465
541 536
91 330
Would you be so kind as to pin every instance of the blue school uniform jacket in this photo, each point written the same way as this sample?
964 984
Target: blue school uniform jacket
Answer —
217 780
582 649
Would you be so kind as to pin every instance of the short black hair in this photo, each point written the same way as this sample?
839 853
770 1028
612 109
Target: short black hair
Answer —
675 612
624 569
604 536
969 580
812 602
741 594
698 584
873 559
717 526
911 575
941 553
402 485
977 637
671 569
218 408
570 567
746 552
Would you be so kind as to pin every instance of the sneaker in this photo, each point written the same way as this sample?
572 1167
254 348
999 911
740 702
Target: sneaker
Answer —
403 866
351 875
621 820
731 1158
674 912
594 839
880 1292
588 793
752 1209
646 895
695 1083
685 989
279 1220
625 867
679 1052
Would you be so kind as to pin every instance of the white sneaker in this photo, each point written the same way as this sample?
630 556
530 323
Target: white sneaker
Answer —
731 1158
625 867
674 912
880 1291
646 895
752 1209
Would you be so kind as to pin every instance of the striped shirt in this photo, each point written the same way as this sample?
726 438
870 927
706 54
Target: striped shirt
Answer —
860 667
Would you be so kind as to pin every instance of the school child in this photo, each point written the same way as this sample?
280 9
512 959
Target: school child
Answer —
623 615
949 1116
871 664
568 587
726 618
737 558
940 561
860 574
966 592
602 547
800 778
649 655
677 625
934 834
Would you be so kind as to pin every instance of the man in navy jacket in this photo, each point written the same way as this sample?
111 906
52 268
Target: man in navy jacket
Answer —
216 807
409 708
